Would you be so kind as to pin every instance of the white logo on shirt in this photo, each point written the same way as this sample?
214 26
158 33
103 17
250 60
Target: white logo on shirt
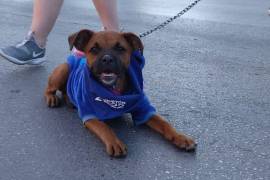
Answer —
113 103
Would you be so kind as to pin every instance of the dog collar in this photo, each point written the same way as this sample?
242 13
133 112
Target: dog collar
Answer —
115 91
77 53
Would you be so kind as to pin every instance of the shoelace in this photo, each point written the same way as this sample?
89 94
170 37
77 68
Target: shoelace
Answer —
26 39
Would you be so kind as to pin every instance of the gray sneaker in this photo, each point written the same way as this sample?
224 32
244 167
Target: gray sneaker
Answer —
26 52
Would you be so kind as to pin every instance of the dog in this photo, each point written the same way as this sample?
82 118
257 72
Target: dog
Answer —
106 83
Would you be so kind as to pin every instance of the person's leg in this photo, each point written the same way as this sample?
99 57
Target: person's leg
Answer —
45 14
107 10
32 49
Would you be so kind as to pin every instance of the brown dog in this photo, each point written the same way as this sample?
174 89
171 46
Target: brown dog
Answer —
108 57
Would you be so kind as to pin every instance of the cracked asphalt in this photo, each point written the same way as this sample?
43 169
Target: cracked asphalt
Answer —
208 73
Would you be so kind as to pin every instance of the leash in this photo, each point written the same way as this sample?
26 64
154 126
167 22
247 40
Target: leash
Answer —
165 23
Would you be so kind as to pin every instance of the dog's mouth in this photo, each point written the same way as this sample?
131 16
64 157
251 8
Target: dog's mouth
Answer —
108 78
108 73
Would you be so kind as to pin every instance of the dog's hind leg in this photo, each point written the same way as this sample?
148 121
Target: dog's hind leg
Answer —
57 81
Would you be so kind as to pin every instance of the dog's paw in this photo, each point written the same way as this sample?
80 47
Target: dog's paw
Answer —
116 149
52 100
184 142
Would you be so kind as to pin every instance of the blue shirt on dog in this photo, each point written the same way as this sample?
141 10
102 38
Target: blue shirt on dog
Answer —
93 100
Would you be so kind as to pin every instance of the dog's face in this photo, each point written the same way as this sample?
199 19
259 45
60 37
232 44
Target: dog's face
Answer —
108 53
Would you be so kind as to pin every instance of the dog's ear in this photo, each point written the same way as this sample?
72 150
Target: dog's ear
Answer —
134 41
80 39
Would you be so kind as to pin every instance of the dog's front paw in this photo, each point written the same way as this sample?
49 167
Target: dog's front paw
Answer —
183 142
116 149
52 100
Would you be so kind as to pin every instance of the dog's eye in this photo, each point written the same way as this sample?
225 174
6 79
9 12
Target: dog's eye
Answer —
119 48
94 50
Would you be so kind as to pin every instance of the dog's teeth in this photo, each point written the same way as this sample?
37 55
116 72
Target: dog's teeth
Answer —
108 74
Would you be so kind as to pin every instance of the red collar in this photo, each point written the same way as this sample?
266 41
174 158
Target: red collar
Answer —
116 91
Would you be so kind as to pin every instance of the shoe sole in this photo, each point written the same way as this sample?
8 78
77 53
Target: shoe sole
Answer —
36 61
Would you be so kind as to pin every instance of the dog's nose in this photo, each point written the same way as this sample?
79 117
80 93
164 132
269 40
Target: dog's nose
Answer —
107 59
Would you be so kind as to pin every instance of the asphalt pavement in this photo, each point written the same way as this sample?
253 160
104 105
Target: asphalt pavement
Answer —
208 73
